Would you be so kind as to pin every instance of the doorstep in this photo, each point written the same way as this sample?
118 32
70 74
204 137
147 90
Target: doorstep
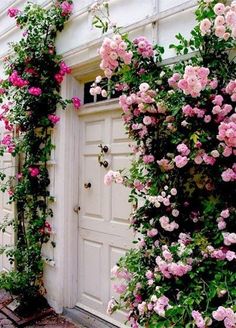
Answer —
86 319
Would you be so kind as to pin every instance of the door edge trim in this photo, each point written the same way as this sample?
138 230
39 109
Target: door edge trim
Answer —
87 319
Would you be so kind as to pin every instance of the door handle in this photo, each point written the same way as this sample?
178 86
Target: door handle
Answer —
76 209
87 185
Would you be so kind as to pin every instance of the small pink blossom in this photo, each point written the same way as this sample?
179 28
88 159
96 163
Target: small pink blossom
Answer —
76 102
34 171
219 9
53 118
12 12
35 91
66 8
181 161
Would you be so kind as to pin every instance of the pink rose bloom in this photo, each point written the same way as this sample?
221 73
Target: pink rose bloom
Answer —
108 178
58 77
12 12
228 175
149 274
119 289
218 100
64 69
205 26
220 20
227 151
230 256
148 159
220 31
34 91
199 321
152 233
147 120
144 87
34 171
66 8
221 225
76 102
183 149
53 118
219 314
180 161
219 9
225 214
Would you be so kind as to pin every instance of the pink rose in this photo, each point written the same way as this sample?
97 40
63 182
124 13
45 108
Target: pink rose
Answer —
219 314
34 171
76 102
219 9
66 8
34 91
180 161
53 118
12 12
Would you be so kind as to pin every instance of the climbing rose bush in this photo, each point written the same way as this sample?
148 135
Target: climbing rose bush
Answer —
29 99
182 123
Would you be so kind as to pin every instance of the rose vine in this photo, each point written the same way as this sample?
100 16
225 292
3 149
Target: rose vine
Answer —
30 97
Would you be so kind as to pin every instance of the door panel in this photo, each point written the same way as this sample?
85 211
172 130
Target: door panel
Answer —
104 233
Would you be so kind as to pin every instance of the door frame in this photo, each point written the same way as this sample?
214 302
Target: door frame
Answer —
71 188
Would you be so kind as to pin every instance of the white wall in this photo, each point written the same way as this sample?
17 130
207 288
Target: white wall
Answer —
79 43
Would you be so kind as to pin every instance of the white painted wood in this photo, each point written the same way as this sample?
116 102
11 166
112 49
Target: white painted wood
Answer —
104 233
7 164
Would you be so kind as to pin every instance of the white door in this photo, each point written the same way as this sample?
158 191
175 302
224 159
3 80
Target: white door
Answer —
104 233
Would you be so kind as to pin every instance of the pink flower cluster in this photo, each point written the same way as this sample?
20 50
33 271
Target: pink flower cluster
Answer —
221 254
227 133
199 321
113 176
225 22
229 174
229 238
35 91
34 171
225 314
195 79
172 269
224 25
112 51
160 305
64 69
17 81
53 118
7 141
66 8
221 219
12 12
167 225
144 47
231 89
188 111
120 273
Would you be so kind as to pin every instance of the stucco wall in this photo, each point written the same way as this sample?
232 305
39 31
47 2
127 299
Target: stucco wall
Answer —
78 43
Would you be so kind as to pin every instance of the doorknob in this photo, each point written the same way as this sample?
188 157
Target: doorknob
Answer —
76 209
87 185
104 149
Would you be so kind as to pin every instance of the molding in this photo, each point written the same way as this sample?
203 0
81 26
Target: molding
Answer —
87 319
132 27
100 106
